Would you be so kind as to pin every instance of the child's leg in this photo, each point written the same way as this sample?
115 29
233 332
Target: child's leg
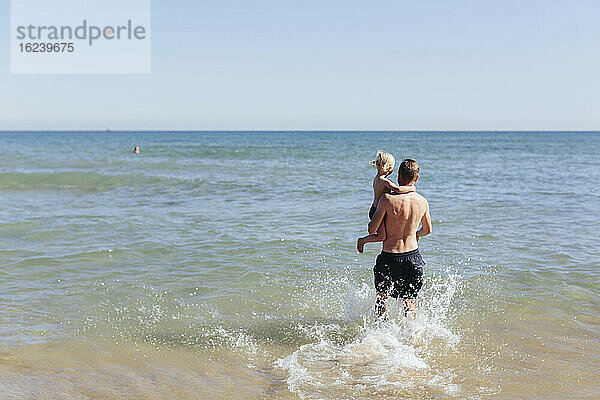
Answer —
379 236
360 244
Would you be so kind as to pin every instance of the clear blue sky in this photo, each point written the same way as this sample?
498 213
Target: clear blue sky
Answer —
306 64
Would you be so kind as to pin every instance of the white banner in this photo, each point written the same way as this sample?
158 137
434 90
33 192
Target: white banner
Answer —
85 37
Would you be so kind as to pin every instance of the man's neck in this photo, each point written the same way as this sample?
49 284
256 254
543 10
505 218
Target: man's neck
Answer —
401 183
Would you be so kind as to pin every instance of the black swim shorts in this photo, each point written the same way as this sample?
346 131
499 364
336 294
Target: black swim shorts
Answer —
399 274
372 212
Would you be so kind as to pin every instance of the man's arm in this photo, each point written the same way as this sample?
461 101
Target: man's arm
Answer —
426 223
398 189
379 214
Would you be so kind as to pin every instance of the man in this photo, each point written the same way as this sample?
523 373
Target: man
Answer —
398 270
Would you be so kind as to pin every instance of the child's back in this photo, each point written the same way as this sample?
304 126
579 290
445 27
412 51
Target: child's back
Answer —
381 185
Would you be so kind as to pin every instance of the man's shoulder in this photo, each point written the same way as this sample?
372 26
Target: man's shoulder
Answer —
422 200
419 196
387 197
412 197
402 196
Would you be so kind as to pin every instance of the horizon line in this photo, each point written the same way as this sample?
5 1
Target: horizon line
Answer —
296 130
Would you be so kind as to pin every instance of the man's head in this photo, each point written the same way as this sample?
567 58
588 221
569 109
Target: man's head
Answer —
408 172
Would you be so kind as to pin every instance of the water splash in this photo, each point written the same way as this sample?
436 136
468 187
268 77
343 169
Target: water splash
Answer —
387 358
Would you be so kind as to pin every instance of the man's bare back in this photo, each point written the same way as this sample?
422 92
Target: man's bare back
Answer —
402 214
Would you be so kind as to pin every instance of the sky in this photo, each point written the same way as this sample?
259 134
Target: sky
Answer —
333 65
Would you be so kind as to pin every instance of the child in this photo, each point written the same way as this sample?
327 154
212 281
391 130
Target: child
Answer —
381 184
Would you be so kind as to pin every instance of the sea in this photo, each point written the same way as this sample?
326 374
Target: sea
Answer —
223 265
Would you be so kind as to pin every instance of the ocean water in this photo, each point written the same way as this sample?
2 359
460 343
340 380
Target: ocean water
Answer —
223 265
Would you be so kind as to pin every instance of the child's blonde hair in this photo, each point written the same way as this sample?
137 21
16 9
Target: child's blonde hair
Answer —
384 161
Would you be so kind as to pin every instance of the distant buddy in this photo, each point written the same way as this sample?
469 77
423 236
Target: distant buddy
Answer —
136 150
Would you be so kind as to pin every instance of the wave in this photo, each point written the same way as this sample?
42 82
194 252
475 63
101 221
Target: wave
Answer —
70 180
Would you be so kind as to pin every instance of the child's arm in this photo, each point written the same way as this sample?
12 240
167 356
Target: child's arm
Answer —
398 189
